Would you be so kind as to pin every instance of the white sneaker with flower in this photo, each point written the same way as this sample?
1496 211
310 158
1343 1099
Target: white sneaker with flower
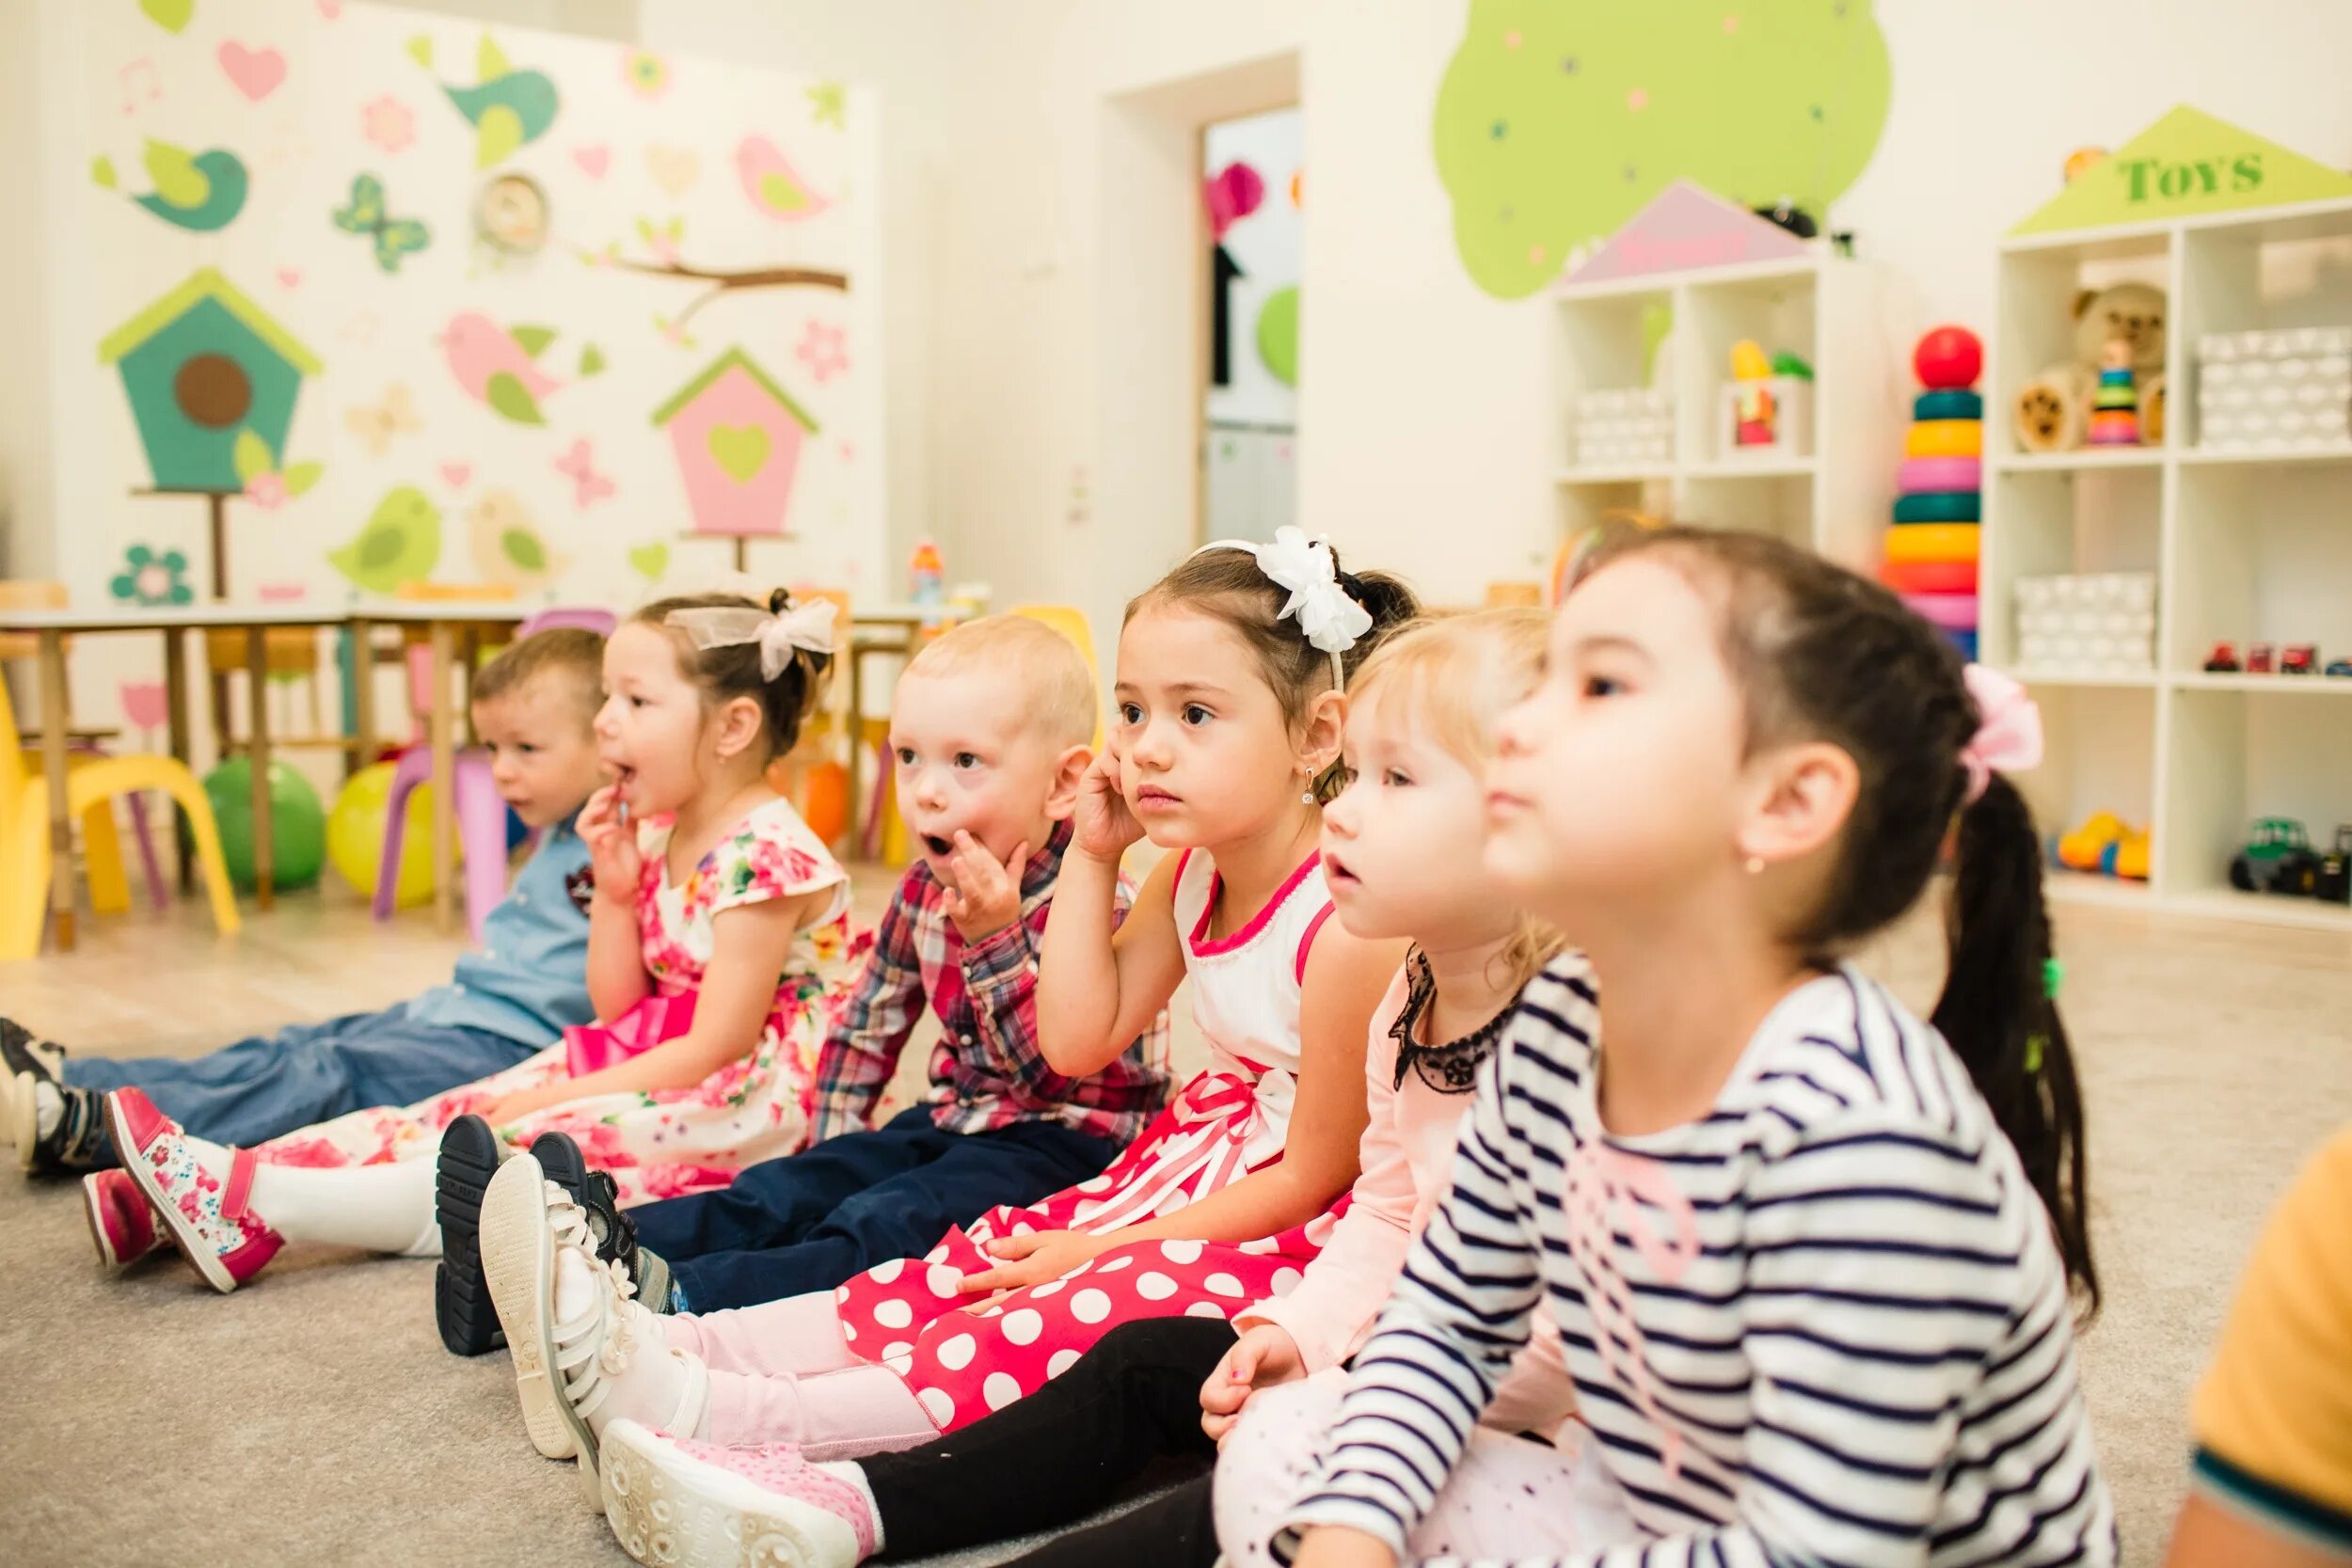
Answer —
585 1351
679 1503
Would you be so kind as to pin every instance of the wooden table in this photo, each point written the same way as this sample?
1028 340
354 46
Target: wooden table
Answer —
885 629
442 623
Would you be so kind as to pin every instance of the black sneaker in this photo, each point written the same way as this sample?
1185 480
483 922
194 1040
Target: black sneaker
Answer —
21 1051
598 1197
76 1144
461 1299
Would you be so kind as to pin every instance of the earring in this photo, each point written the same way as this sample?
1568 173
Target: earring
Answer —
1753 865
1306 796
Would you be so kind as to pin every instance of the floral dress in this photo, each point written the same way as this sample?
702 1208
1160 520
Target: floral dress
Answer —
1230 1120
674 1141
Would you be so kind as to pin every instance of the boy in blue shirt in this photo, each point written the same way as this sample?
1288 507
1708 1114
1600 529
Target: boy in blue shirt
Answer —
533 706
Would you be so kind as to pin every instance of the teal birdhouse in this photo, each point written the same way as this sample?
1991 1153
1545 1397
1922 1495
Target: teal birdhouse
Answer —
200 365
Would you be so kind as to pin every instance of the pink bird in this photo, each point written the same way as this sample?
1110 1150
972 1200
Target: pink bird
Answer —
499 367
773 185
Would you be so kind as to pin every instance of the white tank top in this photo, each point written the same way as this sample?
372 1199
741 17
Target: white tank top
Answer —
1246 987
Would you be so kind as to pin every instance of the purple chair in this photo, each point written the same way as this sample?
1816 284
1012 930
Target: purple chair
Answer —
480 814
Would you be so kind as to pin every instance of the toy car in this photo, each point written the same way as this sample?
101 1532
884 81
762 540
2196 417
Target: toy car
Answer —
2261 659
2222 661
2300 658
2276 859
2334 881
2340 667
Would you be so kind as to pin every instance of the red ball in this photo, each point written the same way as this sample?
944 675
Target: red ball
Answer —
1948 359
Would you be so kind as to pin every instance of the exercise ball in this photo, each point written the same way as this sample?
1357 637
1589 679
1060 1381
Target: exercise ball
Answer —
297 824
355 835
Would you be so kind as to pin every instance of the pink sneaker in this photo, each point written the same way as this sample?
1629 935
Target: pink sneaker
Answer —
205 1218
120 1222
684 1504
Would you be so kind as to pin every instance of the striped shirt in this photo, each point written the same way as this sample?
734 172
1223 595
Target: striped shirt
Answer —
1825 1325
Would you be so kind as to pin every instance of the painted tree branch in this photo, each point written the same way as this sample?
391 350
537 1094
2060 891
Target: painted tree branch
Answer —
728 282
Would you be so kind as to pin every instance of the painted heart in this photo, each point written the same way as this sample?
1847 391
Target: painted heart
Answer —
651 560
456 474
673 168
331 9
592 161
170 15
289 277
254 73
739 449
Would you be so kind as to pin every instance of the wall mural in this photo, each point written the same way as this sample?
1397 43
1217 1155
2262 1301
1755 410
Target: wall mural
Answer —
442 304
1535 85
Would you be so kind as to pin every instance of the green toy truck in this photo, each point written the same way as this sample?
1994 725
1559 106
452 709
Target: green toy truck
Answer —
2276 859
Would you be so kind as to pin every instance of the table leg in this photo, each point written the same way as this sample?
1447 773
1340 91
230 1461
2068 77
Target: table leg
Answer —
362 694
176 698
256 755
55 723
441 722
469 660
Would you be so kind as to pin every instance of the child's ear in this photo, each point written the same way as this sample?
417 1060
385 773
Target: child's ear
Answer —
1803 796
1319 739
738 720
1069 770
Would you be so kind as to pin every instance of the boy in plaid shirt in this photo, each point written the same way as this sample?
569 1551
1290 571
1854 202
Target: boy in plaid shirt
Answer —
989 730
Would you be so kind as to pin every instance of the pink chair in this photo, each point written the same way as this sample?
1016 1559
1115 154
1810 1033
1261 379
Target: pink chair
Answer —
479 812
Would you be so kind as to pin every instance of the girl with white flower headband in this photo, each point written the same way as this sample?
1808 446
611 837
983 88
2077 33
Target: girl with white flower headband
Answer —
718 927
1229 699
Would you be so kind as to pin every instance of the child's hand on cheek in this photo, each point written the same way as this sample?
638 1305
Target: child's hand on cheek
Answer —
1103 826
986 896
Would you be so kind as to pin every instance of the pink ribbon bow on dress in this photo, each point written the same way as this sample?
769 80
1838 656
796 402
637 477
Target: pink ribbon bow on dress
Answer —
2009 729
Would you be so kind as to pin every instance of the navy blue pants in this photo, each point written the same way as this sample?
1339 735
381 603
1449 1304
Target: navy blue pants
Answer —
261 1088
809 1221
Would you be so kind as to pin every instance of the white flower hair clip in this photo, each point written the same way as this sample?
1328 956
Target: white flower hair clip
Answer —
802 626
1327 617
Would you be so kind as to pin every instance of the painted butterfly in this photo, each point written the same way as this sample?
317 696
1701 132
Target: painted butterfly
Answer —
394 237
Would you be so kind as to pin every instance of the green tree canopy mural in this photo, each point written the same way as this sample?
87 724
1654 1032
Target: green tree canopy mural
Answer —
1559 118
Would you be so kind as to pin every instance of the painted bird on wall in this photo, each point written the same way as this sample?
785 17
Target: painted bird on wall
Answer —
508 109
773 185
498 366
507 543
199 192
401 541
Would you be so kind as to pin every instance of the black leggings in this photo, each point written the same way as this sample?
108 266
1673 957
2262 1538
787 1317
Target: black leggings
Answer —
1065 1452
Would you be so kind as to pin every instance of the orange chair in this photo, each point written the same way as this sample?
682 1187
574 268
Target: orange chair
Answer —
91 786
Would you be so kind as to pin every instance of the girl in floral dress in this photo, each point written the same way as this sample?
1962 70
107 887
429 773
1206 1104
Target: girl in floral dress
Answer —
1230 704
717 943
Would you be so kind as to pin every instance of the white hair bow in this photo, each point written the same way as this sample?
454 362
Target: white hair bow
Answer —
1328 618
808 624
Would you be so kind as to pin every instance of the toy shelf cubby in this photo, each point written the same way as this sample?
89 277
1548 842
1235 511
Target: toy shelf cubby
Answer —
2247 547
1833 494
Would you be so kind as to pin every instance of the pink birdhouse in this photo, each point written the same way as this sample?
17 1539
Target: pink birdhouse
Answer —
737 438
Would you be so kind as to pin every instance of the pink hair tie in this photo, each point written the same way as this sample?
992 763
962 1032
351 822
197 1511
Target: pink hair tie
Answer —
2008 732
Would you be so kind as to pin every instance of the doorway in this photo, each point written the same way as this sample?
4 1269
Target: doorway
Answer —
1252 187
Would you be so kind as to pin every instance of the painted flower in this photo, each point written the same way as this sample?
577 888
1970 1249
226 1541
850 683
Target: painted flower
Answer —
311 1153
150 579
266 491
824 350
646 72
388 123
146 703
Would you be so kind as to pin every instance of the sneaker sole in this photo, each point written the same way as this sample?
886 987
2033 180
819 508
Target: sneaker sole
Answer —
678 1512
172 1222
24 1113
461 1303
518 1251
91 1211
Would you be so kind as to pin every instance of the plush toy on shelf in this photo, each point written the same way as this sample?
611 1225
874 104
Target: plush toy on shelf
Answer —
2053 411
1932 550
2105 844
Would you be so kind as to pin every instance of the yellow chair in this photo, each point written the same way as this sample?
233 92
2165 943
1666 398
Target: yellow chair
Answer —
91 786
102 848
1071 622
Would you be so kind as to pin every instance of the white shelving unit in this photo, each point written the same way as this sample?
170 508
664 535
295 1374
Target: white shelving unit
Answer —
1820 306
2246 546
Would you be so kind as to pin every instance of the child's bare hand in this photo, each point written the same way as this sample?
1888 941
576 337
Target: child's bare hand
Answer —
986 895
612 847
1034 1260
1337 1547
1264 1356
1104 824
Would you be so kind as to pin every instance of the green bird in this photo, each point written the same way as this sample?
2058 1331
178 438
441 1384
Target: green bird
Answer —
401 542
508 109
200 193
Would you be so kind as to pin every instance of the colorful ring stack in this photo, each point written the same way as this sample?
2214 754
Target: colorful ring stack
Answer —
1932 547
2115 409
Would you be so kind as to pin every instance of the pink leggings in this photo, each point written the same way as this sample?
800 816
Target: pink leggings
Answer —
781 1372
